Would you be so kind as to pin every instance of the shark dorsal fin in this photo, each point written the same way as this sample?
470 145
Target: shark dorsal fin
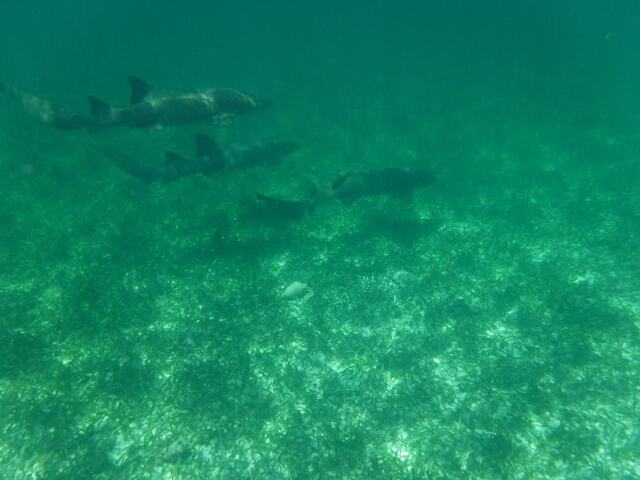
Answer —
339 181
139 90
99 109
208 150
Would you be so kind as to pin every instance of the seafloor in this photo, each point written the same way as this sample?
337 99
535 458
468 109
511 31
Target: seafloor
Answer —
143 334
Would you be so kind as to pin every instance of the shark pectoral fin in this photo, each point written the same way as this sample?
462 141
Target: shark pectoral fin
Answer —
99 109
208 150
339 181
139 90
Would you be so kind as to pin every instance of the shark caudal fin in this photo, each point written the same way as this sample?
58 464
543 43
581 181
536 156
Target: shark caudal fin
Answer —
139 90
207 151
99 110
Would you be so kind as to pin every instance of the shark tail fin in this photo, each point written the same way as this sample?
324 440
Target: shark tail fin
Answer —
99 110
208 151
139 90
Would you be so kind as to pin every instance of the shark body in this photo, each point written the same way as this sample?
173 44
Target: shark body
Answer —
150 109
208 159
146 108
352 186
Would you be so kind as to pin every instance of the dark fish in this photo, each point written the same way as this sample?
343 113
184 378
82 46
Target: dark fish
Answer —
400 183
149 109
146 109
208 159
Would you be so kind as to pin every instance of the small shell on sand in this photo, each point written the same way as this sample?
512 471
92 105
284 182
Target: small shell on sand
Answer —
296 291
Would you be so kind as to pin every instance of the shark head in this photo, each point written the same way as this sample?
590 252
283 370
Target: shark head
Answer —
234 102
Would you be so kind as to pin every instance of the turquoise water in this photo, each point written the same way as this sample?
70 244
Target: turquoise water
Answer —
485 327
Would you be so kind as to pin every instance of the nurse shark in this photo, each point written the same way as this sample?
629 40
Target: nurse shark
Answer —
349 187
208 159
146 108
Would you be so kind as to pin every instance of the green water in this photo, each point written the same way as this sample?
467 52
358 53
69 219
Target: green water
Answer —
142 330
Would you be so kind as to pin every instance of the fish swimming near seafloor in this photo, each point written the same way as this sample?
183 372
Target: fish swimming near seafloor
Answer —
153 109
208 159
146 109
351 186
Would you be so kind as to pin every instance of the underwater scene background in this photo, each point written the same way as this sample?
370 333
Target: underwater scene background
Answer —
485 326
